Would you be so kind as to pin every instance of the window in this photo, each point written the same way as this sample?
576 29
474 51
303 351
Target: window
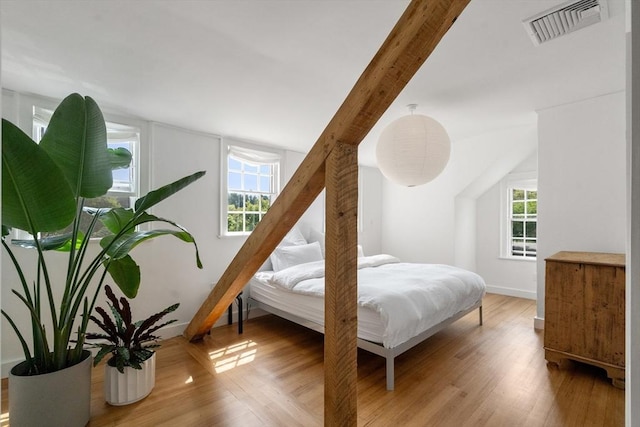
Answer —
523 222
125 189
521 234
251 182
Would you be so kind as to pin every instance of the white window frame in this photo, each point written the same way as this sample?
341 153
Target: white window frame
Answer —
360 200
521 181
39 109
116 131
246 153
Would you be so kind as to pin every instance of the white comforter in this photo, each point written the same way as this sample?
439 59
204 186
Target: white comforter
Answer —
410 298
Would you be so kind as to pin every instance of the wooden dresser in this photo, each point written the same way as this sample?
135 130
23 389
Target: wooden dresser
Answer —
584 311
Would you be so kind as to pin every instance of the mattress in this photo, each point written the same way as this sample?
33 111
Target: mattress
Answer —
370 325
396 301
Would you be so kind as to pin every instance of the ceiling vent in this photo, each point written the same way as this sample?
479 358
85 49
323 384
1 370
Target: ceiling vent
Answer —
565 18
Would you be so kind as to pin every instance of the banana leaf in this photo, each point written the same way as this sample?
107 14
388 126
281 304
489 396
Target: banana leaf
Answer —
76 139
35 194
125 272
156 196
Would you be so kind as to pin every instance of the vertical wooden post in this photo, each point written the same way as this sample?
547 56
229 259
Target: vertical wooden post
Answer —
341 288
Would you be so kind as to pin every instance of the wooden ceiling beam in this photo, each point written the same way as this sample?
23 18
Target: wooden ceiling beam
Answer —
411 41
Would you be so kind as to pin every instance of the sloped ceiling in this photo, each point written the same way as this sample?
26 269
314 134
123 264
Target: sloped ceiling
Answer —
276 71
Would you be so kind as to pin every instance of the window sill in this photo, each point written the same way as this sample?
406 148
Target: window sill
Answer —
233 236
511 258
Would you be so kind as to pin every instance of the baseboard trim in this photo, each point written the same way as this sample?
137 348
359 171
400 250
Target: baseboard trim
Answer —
519 293
538 323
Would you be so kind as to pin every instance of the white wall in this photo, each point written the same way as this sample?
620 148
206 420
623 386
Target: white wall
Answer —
436 222
168 269
370 195
581 180
369 235
505 276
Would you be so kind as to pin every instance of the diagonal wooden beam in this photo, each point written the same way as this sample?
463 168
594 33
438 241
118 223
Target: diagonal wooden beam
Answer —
411 41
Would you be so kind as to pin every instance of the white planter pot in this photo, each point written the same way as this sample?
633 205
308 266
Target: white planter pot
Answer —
131 386
61 398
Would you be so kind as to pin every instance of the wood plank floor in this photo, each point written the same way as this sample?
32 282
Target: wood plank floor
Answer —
466 375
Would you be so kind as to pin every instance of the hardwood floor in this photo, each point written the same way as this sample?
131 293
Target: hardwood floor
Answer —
272 375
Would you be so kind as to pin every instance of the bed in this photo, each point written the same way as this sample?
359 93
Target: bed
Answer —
399 304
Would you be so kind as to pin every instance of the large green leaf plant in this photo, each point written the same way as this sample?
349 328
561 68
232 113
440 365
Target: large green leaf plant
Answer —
44 189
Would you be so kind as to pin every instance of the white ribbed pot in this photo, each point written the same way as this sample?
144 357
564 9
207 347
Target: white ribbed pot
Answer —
132 385
61 398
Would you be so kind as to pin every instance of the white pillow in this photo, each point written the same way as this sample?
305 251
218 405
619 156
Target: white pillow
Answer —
316 236
294 237
288 256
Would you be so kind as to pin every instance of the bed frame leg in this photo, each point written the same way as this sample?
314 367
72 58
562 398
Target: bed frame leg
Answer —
480 313
390 373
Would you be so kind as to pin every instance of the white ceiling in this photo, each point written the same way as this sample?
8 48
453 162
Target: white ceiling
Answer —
276 71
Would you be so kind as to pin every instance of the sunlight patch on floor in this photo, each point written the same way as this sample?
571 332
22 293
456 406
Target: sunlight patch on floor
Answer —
233 356
4 419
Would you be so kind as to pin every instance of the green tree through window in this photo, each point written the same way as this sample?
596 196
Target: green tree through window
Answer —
252 186
523 218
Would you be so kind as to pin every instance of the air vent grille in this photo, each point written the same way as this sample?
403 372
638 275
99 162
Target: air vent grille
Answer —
565 18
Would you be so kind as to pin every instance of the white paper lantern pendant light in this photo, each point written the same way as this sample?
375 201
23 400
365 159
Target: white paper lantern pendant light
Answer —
413 149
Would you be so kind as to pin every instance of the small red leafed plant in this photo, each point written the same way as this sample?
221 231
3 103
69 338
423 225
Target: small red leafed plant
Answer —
129 343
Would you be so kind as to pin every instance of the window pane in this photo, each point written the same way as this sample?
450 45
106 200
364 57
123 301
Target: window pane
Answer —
234 164
235 181
109 201
235 201
517 229
265 203
251 221
531 228
265 169
250 168
253 203
532 194
517 194
265 184
234 222
531 245
517 208
123 178
106 201
532 207
517 245
250 182
99 230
